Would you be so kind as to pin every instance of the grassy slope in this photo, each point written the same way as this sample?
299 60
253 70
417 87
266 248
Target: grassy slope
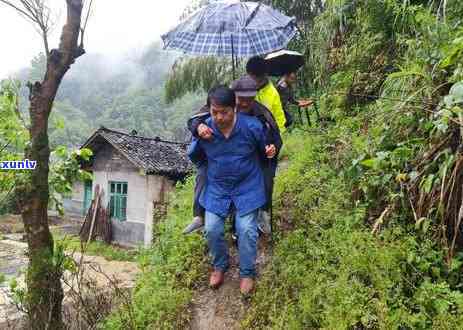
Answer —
328 269
330 272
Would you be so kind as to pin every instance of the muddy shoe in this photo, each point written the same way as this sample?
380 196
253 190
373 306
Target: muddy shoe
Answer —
216 279
246 286
195 225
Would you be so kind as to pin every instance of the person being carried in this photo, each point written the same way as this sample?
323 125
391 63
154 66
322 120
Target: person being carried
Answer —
245 90
235 181
285 88
267 95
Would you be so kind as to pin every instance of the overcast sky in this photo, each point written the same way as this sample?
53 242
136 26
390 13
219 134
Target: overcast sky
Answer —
115 27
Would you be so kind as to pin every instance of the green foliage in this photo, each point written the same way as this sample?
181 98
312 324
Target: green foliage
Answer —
68 125
125 93
388 73
64 171
197 74
170 271
330 272
13 139
146 111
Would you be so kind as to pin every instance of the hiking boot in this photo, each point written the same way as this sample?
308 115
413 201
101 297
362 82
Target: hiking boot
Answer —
196 224
216 279
263 222
246 285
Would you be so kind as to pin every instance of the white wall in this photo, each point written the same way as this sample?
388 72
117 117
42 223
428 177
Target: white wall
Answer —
136 191
142 191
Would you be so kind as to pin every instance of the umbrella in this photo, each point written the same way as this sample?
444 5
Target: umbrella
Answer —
284 61
237 29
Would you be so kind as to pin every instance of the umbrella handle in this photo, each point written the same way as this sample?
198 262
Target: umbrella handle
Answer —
233 57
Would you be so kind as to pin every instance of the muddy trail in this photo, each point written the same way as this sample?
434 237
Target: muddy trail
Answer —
225 308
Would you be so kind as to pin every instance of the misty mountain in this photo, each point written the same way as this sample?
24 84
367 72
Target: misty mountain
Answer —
121 92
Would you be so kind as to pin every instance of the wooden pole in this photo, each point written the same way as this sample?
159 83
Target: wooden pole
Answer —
97 198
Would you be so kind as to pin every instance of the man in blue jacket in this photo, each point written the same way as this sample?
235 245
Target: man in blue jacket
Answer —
234 182
245 90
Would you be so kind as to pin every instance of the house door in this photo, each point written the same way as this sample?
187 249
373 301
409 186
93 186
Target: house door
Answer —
87 196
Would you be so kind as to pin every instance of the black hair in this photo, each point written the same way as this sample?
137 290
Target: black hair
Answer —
221 95
256 66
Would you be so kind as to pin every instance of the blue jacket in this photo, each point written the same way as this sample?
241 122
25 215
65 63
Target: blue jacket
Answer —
234 173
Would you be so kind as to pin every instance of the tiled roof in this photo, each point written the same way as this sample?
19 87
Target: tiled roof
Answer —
153 155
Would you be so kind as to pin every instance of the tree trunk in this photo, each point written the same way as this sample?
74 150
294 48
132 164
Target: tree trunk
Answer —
44 291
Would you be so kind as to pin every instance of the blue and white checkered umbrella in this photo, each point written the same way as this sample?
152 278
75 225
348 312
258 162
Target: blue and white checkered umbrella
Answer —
240 29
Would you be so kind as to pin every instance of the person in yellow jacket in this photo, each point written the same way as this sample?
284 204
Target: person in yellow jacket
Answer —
267 94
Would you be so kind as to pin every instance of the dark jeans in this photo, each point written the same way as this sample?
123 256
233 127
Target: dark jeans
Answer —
200 182
269 169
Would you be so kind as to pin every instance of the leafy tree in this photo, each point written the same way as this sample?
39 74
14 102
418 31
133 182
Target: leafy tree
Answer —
44 291
13 139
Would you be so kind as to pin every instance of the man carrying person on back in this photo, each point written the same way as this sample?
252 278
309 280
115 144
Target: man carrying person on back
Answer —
235 182
245 90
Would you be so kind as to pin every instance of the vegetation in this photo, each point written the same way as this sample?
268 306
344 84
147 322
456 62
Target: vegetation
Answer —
328 269
123 93
369 209
170 271
14 138
377 246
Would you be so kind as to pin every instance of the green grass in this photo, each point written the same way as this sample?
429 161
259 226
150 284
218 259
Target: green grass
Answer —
328 271
171 270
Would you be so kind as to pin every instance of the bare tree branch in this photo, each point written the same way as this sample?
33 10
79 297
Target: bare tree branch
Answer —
22 12
82 29
5 146
38 14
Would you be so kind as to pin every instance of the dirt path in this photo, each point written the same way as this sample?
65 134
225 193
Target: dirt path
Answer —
224 308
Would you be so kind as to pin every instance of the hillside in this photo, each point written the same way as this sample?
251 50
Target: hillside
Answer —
368 202
121 92
369 208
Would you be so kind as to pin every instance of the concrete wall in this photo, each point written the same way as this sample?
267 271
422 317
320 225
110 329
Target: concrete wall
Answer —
128 233
110 165
158 189
73 205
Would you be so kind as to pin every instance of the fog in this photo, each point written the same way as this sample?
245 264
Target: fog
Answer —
115 31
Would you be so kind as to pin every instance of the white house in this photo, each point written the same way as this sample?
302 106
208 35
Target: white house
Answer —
136 174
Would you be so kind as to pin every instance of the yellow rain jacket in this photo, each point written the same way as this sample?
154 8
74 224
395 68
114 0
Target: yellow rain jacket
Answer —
268 96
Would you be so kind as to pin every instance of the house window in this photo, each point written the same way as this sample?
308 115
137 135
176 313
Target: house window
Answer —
118 200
